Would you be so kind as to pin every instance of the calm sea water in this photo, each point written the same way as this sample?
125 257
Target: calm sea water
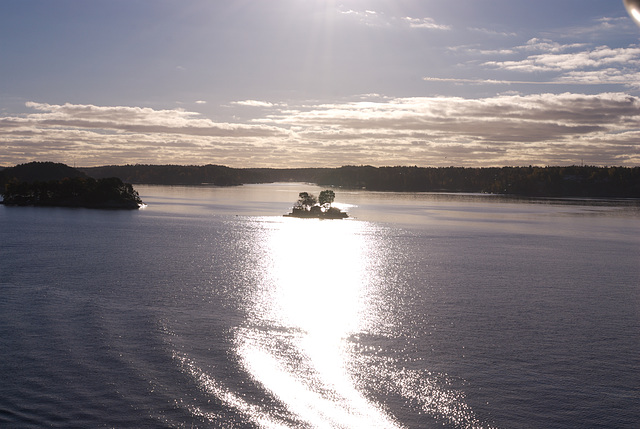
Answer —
209 309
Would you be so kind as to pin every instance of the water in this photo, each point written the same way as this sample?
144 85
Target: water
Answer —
209 309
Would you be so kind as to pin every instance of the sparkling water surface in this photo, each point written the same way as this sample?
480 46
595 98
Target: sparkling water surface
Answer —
207 308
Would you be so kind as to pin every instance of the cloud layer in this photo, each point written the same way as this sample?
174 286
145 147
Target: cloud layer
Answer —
540 129
548 62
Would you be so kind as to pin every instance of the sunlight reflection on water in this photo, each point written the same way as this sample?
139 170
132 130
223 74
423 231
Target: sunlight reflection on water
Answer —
313 295
327 337
319 297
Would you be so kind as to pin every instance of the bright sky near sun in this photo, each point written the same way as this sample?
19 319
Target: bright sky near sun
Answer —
296 83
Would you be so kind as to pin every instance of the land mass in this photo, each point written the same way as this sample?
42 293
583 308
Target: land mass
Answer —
570 181
53 184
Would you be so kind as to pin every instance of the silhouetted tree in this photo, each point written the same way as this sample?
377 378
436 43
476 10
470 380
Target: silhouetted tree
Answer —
326 198
306 200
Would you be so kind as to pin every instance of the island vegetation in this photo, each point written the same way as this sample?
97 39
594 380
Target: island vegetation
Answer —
308 206
52 184
570 181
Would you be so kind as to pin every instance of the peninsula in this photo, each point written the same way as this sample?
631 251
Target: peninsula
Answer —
58 185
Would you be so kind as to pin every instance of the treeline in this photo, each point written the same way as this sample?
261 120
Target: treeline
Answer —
576 181
218 175
570 181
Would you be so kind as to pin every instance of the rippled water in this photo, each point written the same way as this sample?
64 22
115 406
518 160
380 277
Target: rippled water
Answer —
209 309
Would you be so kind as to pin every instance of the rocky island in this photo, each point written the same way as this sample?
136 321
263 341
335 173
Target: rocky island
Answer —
308 206
58 185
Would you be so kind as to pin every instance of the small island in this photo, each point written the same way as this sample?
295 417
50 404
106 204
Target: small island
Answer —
308 206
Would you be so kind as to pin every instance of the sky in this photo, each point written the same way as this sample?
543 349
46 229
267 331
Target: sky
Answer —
319 83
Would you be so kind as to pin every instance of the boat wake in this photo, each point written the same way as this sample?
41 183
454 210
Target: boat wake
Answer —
293 386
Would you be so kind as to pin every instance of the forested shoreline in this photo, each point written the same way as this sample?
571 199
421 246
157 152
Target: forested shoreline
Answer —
58 185
569 181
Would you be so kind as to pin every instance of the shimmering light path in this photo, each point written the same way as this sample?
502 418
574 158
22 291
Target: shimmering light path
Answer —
312 296
315 293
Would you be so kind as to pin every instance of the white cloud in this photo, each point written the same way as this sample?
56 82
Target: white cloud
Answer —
253 103
135 119
602 77
541 45
374 18
492 32
426 23
602 56
557 64
548 46
367 17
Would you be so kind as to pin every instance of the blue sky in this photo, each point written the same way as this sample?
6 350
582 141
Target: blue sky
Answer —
294 83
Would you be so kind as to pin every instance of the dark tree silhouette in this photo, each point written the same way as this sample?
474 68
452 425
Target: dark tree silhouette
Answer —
306 200
326 198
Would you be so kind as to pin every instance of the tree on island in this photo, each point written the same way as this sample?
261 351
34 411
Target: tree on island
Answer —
306 200
326 198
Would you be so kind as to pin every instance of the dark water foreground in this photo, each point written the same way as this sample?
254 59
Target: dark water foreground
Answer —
210 309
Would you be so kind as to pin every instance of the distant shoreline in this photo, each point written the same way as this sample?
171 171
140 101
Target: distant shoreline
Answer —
546 182
570 181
